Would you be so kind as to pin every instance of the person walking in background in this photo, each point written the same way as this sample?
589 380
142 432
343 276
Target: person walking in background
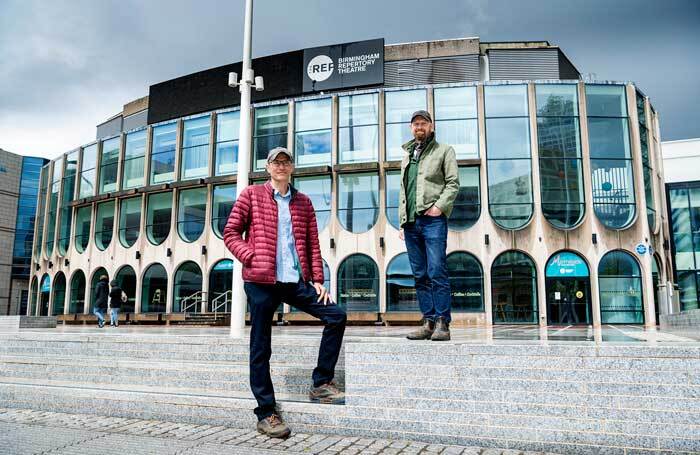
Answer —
101 295
116 298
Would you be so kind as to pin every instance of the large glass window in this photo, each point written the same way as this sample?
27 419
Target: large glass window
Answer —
187 288
134 160
163 153
358 201
220 282
44 291
33 296
466 282
43 190
559 144
467 206
67 196
456 120
318 189
154 289
647 171
514 289
393 188
158 212
53 206
86 184
399 107
59 294
129 220
611 160
358 128
685 224
226 149
223 198
27 216
104 224
270 131
358 284
191 212
620 282
109 165
508 155
312 132
400 285
126 279
77 293
83 219
195 148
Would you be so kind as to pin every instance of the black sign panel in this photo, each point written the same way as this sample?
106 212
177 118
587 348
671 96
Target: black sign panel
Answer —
344 66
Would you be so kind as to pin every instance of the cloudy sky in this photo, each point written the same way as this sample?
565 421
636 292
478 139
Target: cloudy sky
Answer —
66 66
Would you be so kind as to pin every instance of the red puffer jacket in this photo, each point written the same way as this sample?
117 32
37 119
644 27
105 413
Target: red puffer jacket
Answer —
255 214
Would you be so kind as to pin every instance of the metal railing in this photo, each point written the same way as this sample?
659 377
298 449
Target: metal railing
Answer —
193 300
222 300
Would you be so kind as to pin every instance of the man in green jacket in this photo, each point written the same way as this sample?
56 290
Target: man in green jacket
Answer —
429 186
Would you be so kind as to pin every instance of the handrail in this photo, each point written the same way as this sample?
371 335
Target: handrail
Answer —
196 299
226 297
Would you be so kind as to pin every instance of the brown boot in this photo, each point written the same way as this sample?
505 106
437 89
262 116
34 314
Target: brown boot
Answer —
274 427
442 330
424 332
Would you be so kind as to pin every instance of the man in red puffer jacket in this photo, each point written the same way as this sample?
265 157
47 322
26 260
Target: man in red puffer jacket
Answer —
272 230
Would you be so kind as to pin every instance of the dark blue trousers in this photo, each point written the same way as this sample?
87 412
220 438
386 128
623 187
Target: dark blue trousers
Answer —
264 299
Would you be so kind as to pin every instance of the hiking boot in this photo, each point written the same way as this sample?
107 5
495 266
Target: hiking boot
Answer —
442 330
425 331
327 393
274 427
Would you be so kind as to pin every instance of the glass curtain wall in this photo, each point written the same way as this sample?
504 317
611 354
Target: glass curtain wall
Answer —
163 149
195 148
104 224
226 148
312 132
67 196
399 106
53 206
358 128
191 213
43 190
83 219
647 170
158 213
456 120
109 165
509 158
358 201
685 224
467 205
223 198
134 159
86 181
129 220
318 189
269 131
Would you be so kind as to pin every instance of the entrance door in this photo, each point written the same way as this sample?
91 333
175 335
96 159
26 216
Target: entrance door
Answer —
568 290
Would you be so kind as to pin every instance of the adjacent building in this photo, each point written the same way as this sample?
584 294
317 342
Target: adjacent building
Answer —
560 219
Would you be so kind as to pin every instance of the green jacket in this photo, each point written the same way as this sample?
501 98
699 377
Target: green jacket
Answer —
438 179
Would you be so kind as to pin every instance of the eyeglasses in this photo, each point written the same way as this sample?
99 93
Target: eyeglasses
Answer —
285 163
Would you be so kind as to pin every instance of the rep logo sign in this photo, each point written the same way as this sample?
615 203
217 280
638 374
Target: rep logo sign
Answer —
344 66
320 68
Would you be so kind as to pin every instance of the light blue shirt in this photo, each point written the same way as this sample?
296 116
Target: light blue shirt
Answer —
287 258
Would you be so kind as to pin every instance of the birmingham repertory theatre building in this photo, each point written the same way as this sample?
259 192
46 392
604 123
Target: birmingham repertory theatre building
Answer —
560 218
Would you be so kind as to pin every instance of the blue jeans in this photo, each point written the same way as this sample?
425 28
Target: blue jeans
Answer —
426 242
114 316
264 300
100 317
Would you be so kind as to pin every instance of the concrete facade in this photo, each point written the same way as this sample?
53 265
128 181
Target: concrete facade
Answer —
10 174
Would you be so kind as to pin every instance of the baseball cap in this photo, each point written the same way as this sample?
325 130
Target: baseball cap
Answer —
422 113
274 153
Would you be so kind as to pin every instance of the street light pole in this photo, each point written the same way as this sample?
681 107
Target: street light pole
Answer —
238 296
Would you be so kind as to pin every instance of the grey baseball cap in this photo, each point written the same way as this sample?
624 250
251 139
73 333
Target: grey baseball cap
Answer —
272 155
422 113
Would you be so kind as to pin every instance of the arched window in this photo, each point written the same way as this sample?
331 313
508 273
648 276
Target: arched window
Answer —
191 212
358 284
508 155
467 206
456 120
93 284
59 293
220 282
44 293
318 188
358 201
393 188
134 160
33 295
53 206
400 285
648 173
223 198
188 288
620 283
559 144
154 289
514 289
158 212
611 160
129 220
567 285
66 211
312 132
126 279
109 164
40 210
399 106
466 282
77 293
358 128
226 149
195 147
104 224
163 153
83 218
